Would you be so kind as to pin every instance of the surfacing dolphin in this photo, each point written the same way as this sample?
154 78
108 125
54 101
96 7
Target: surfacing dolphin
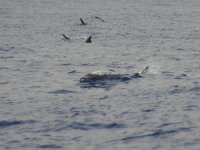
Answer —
97 76
65 37
88 40
82 22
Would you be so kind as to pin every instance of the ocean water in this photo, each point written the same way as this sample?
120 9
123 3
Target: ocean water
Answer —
42 103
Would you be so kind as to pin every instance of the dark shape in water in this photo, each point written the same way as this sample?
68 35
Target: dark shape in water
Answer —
110 75
106 79
50 146
99 19
65 37
87 126
154 134
73 71
62 91
82 22
88 40
6 123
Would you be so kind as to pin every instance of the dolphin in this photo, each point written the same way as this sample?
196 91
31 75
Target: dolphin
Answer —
111 75
65 37
82 22
99 19
88 40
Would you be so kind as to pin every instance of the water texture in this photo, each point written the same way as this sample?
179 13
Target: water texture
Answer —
44 106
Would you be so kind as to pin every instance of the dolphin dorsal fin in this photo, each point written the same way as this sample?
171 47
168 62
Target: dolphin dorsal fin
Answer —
99 19
88 40
145 70
82 22
65 37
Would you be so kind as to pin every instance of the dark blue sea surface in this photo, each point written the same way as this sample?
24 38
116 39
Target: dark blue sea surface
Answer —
44 106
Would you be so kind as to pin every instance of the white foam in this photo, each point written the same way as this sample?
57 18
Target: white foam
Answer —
104 72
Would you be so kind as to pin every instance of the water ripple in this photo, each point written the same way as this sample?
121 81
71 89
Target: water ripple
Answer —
67 64
182 76
177 89
71 72
50 146
155 134
2 83
15 49
86 126
4 124
195 89
62 91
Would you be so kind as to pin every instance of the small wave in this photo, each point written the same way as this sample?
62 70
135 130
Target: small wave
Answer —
2 83
148 110
104 84
15 49
182 76
6 48
6 57
195 89
177 89
3 68
104 97
180 49
14 141
71 72
98 84
85 126
67 64
117 65
4 124
167 74
168 124
87 64
9 123
155 134
62 91
191 108
50 146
